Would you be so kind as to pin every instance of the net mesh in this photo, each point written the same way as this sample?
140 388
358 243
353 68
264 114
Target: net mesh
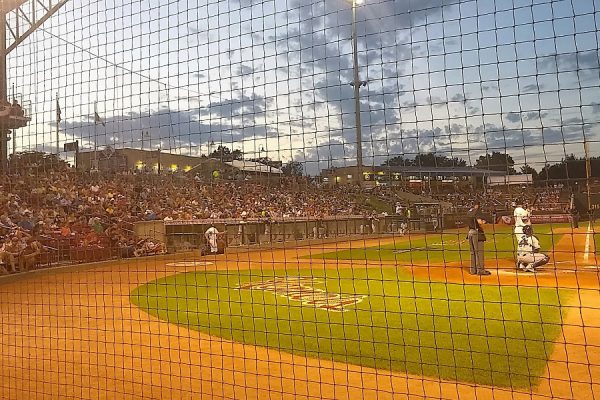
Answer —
299 199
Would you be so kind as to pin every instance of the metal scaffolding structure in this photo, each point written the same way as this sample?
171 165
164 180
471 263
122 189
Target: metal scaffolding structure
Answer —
18 20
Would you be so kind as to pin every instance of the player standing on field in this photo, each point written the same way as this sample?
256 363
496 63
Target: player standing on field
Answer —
211 236
522 218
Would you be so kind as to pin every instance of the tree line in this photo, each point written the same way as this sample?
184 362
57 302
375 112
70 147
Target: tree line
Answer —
570 167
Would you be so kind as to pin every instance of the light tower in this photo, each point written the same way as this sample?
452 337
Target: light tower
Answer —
19 18
357 84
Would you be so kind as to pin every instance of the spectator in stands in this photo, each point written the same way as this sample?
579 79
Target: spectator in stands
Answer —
10 252
149 215
6 221
26 222
7 257
399 209
97 226
65 230
31 253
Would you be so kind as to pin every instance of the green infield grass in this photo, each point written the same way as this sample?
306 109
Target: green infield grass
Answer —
442 248
500 336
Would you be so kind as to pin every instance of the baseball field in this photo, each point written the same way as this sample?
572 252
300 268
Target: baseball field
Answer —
383 317
444 248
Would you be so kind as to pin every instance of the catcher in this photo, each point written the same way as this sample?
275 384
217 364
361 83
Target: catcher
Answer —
528 251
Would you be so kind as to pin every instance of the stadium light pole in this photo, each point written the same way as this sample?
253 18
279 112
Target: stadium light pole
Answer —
3 88
357 83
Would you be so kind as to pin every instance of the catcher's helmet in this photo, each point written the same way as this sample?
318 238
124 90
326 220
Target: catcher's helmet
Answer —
528 230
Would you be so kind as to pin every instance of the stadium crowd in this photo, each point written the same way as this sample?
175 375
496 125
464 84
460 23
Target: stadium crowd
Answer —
547 199
98 212
93 212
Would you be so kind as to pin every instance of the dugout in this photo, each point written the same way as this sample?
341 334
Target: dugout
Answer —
427 217
189 235
186 235
590 210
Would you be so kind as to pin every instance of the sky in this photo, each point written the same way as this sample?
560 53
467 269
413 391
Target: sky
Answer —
458 78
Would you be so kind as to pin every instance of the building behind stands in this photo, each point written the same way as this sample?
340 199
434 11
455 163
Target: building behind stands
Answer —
155 161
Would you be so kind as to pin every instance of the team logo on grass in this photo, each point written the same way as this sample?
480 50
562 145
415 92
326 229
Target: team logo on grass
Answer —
300 289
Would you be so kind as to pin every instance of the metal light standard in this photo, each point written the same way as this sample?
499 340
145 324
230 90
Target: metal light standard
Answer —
357 83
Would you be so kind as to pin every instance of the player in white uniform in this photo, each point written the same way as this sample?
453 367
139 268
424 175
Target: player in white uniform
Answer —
521 216
528 251
211 236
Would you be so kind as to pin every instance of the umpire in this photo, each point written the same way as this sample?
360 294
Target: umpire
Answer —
476 238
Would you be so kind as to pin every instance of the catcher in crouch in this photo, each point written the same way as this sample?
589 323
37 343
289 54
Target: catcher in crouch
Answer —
528 251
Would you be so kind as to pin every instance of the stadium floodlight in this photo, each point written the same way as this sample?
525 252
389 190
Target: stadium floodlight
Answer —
357 83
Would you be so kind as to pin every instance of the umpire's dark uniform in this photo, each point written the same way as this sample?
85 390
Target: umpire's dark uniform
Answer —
476 238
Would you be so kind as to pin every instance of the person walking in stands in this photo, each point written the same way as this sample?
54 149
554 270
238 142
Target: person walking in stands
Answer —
476 238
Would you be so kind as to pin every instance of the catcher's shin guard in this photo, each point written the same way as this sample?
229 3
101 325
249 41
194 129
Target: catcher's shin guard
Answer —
541 262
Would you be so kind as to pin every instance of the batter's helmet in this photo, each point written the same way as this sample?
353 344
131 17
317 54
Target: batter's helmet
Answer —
528 230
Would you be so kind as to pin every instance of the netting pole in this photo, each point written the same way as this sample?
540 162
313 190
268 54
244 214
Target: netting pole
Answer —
588 174
57 127
3 89
357 84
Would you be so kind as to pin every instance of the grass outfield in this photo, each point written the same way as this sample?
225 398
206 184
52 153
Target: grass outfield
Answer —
447 247
490 335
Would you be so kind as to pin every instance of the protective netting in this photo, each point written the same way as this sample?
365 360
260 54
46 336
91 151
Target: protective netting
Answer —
299 199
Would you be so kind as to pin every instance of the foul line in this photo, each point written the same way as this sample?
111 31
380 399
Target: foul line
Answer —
586 254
